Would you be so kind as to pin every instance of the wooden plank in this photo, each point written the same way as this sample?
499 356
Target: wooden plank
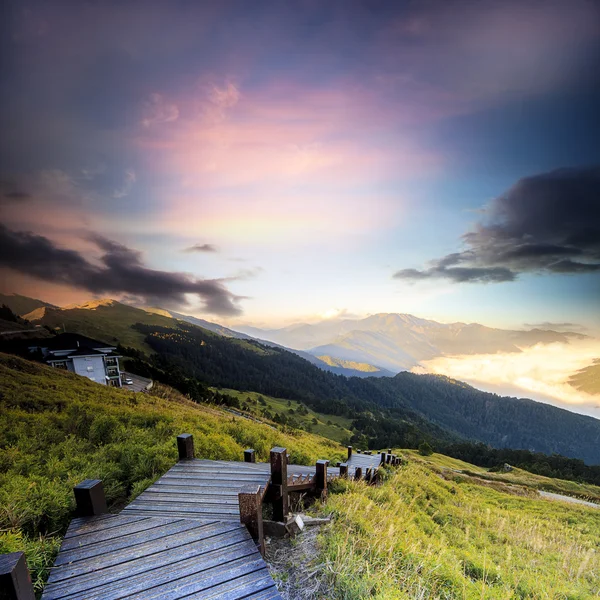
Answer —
192 508
243 587
131 553
149 566
230 499
189 516
206 483
162 576
215 492
127 541
133 526
198 582
84 525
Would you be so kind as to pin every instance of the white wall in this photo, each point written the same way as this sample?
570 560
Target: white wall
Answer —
91 367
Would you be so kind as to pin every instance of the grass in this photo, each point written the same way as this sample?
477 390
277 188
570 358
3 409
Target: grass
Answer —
57 429
333 427
426 532
420 536
585 491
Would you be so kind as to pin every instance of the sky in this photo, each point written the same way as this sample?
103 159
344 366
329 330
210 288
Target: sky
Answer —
271 162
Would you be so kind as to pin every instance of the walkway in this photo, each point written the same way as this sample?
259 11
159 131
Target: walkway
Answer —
195 533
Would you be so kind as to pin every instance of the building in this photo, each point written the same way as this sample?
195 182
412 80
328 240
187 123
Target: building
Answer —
82 355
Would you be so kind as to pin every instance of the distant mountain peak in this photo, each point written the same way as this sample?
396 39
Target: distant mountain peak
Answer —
93 304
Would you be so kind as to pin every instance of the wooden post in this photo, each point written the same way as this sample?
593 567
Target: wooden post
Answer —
358 473
15 581
349 452
249 456
389 450
358 452
395 460
90 498
382 458
250 503
321 476
369 475
388 459
344 470
279 483
185 446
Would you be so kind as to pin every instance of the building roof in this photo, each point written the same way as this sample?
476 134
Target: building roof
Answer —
72 341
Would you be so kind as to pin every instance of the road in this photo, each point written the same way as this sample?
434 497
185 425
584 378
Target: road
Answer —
139 383
552 496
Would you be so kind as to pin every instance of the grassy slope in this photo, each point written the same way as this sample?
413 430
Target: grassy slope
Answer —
585 491
57 429
98 322
422 536
332 427
417 536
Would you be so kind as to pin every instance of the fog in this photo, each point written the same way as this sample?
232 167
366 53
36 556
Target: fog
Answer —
540 372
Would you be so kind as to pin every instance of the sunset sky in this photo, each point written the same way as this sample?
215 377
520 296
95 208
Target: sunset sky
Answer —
267 162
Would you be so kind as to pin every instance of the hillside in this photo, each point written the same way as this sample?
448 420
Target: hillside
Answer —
401 411
382 407
57 429
21 305
428 532
400 341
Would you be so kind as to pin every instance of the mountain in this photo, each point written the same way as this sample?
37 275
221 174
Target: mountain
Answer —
21 305
382 407
214 327
399 411
400 341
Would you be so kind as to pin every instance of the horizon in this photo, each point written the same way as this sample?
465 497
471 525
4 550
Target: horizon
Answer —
271 163
540 373
266 163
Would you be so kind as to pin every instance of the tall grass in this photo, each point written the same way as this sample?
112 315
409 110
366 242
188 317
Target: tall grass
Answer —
57 429
420 536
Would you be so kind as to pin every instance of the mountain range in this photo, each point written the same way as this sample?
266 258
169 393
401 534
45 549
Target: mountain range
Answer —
398 410
399 342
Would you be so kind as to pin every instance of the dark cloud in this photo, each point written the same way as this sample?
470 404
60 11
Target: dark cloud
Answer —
548 223
16 195
120 271
202 248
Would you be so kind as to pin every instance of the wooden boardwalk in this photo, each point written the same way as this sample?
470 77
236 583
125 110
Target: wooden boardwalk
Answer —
197 532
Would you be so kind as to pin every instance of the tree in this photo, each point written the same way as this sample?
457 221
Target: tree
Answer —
425 449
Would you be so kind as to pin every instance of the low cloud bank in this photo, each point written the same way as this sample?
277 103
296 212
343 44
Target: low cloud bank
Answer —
540 373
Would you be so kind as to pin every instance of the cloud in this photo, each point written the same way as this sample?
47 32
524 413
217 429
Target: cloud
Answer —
12 192
557 326
129 180
548 223
541 372
202 248
157 110
120 271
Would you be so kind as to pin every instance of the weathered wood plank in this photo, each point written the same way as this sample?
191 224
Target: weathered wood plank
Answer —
198 582
164 575
244 587
83 525
135 525
141 550
161 532
148 566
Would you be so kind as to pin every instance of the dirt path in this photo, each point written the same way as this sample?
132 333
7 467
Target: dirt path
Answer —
552 496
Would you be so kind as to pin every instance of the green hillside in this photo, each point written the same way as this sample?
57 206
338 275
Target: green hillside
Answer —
400 410
427 532
424 534
294 413
57 429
